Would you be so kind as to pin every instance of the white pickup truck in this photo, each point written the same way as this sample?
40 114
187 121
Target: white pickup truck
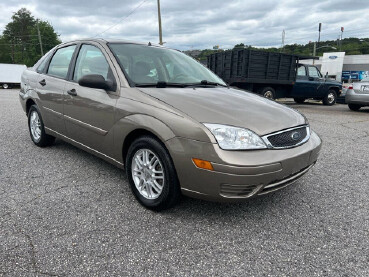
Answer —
10 74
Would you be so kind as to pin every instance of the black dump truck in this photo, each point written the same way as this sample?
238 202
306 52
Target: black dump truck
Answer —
274 75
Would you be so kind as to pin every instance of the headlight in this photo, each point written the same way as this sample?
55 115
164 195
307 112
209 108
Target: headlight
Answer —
233 138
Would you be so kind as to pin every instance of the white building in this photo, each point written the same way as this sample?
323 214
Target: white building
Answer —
354 67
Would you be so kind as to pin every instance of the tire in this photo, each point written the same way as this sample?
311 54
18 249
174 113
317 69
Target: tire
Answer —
37 129
331 98
299 100
163 194
5 86
268 92
354 107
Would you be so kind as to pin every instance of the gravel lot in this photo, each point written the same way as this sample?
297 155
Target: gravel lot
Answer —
64 212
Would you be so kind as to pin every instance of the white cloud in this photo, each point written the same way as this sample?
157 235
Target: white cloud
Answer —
200 24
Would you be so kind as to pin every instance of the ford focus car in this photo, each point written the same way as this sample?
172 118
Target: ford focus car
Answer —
173 125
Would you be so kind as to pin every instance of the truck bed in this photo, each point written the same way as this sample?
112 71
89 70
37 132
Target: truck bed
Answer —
254 66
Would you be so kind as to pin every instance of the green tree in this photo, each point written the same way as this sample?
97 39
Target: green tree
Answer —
19 42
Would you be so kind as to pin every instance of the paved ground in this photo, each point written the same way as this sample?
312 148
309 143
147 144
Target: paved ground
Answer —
64 212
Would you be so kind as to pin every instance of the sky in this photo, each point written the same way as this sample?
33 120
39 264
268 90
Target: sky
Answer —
199 24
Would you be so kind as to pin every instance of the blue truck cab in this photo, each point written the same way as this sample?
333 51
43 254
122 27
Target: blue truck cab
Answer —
310 83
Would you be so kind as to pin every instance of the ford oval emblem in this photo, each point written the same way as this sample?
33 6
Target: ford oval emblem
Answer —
333 57
295 136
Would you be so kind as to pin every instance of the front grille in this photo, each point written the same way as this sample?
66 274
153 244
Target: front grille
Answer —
288 138
229 190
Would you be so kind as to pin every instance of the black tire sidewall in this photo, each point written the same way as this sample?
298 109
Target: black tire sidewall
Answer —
326 101
354 107
171 184
44 140
299 100
265 89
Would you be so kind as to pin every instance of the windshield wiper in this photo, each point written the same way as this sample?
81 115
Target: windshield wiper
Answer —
205 83
161 85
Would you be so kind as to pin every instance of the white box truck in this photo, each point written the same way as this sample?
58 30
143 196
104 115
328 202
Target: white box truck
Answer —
10 74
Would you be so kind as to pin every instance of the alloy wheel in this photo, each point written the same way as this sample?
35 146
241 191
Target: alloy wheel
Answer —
35 126
147 173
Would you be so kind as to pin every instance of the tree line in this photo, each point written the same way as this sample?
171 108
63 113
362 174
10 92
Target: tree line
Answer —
352 46
19 42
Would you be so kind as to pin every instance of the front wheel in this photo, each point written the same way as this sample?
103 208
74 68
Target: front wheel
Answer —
354 107
5 86
331 98
151 174
37 129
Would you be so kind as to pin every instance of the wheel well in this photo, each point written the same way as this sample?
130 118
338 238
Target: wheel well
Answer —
336 89
132 136
29 103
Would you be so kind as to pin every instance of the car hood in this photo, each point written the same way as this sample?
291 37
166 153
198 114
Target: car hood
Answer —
230 107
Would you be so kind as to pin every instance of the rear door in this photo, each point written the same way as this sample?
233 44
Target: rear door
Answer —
51 84
89 112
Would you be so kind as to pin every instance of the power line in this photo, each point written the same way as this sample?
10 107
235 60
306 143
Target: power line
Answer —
120 21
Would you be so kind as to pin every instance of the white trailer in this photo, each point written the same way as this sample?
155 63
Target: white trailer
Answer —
10 74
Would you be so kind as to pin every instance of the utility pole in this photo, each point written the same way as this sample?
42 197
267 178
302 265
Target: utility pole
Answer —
159 19
341 38
320 29
283 37
39 38
314 52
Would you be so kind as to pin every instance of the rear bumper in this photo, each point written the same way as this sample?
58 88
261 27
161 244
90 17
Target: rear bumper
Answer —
239 175
353 97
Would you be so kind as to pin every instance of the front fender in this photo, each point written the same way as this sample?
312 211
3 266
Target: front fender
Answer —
130 123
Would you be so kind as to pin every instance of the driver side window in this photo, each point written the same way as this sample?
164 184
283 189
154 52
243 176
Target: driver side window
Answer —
313 72
90 61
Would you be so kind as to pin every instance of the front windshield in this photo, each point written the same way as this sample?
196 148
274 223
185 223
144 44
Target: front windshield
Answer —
144 64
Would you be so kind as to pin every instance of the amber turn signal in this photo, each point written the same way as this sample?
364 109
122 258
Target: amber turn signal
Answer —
203 164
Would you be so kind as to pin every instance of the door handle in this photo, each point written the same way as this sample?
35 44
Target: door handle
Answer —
42 82
72 92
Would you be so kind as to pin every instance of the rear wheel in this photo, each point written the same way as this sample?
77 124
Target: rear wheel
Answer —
37 129
299 100
354 107
268 92
331 98
151 174
5 86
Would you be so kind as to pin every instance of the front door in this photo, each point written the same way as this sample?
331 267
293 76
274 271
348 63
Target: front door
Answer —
316 81
89 112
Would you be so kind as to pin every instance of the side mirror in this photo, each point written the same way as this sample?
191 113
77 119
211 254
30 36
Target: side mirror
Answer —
96 81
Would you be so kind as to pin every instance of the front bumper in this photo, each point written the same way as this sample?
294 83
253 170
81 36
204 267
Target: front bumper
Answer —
357 97
239 175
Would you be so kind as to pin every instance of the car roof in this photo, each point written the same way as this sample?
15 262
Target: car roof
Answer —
106 41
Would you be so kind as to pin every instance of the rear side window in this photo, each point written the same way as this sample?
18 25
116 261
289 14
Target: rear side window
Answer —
90 61
301 71
59 64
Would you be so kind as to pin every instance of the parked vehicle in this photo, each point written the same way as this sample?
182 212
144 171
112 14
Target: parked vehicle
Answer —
10 74
345 87
274 75
169 121
357 95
